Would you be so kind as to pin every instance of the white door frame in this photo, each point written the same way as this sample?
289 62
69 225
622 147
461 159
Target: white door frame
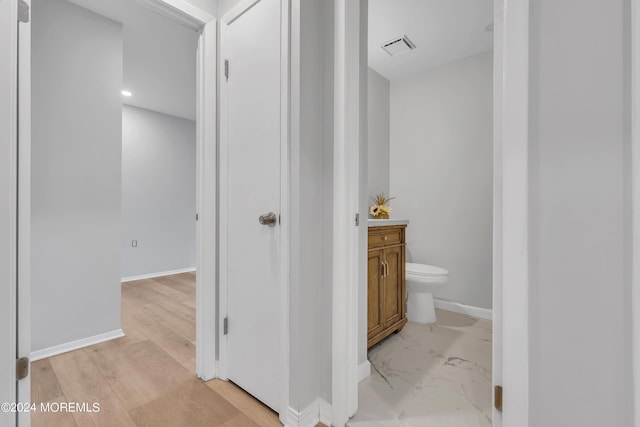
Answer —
511 227
24 207
635 208
206 308
346 253
285 206
8 190
511 328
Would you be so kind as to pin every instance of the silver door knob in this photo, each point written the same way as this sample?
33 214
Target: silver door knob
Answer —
269 219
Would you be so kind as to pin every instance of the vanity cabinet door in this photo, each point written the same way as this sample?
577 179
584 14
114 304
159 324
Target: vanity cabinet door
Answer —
374 287
386 282
393 291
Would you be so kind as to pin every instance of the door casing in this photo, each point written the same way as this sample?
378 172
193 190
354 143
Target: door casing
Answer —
635 188
9 195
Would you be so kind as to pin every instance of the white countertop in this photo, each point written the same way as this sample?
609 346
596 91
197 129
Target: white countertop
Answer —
387 222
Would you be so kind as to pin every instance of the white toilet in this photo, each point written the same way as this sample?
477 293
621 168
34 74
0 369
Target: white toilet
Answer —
422 280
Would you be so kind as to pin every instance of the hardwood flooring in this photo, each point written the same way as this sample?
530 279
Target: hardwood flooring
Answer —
147 377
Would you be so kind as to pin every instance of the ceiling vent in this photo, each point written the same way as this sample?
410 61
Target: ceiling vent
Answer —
398 46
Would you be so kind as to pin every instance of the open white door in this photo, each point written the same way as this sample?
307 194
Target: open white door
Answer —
250 199
8 207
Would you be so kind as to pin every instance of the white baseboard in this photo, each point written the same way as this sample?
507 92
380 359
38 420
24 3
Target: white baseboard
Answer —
318 412
74 345
482 313
364 370
325 412
160 274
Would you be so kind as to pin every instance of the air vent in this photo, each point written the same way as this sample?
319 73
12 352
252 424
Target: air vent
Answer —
398 46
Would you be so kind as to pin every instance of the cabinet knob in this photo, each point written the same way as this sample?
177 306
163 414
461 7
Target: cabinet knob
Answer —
384 237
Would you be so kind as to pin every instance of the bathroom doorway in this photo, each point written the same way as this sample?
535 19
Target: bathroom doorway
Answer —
510 363
430 149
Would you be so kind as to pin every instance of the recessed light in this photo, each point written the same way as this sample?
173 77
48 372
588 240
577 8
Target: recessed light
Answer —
126 93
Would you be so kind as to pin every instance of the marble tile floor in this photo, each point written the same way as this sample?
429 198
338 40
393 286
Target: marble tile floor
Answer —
436 375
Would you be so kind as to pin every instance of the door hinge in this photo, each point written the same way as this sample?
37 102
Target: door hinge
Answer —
497 398
357 220
23 11
22 368
225 326
196 217
226 69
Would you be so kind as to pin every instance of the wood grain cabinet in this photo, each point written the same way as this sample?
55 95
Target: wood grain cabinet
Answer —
386 282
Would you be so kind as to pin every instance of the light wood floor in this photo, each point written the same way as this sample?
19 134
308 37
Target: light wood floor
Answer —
146 378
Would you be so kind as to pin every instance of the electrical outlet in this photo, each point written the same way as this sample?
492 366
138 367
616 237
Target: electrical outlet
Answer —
134 243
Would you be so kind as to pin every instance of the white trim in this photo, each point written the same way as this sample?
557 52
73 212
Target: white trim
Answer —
24 208
364 370
308 417
75 345
635 185
318 412
181 11
469 310
206 193
8 181
222 204
285 203
159 274
344 379
326 413
514 107
496 346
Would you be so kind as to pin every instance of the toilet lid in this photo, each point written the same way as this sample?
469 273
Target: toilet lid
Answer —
425 270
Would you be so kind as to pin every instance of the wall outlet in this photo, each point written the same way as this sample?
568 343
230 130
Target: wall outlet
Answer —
134 243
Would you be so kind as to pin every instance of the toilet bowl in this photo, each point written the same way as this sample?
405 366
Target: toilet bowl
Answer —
422 281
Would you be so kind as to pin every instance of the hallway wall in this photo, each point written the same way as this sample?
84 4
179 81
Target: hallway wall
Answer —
580 210
76 173
158 192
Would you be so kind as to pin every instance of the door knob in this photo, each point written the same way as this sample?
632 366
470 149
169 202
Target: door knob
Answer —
269 219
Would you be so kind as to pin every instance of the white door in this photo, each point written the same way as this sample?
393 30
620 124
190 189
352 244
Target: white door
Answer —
8 208
251 132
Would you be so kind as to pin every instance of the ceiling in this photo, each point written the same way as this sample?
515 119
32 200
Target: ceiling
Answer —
442 30
159 57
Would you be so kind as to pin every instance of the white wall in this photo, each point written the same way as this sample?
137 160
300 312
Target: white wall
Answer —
312 171
579 214
159 56
441 172
158 192
76 165
225 6
379 116
209 6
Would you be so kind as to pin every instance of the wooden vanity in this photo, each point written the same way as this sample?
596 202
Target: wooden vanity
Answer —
386 279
